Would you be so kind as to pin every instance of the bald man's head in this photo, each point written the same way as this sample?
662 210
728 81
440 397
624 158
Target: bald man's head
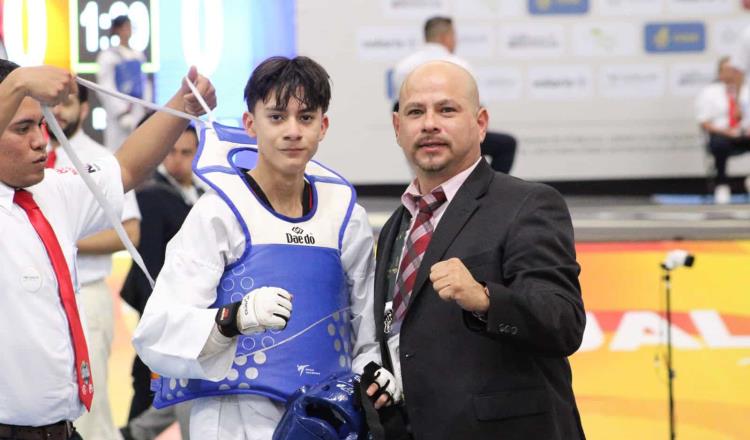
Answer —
442 74
440 124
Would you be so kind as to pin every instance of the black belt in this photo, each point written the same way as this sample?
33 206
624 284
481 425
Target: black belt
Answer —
56 431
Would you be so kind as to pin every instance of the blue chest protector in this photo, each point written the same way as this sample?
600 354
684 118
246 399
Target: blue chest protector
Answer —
129 78
301 255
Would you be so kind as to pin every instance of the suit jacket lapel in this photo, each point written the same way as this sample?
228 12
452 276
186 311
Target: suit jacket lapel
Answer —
459 211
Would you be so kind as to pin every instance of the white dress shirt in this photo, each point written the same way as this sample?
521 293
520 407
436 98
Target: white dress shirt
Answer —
173 335
712 106
93 268
122 116
38 383
428 52
450 187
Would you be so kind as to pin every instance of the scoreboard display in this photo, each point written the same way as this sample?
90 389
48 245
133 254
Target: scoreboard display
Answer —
90 23
225 39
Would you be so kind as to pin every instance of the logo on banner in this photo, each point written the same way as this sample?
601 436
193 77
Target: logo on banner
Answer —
675 37
531 41
605 39
552 7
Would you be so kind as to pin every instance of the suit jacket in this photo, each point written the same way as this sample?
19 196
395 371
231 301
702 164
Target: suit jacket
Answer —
507 378
163 210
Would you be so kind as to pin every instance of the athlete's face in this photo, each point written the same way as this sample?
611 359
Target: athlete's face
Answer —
287 137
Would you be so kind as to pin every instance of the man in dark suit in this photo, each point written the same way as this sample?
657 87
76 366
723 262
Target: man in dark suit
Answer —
477 318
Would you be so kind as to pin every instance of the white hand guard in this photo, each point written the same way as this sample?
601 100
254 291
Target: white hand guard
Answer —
266 308
388 384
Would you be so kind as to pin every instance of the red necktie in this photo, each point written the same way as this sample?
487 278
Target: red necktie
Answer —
734 119
51 159
416 245
67 295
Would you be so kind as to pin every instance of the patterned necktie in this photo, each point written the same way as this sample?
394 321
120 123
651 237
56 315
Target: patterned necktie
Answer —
414 249
67 295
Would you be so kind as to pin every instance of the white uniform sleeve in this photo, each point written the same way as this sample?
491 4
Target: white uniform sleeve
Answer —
359 265
174 336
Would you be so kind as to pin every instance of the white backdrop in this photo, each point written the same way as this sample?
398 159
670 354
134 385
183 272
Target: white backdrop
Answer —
585 87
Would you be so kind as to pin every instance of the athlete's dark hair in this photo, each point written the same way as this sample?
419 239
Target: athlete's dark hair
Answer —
117 23
300 78
6 67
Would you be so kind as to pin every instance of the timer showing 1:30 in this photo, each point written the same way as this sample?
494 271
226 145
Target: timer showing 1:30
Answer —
90 23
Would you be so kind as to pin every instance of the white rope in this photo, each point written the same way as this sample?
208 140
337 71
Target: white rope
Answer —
144 103
98 195
201 101
83 172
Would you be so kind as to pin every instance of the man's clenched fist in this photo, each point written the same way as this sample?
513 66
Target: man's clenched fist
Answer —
453 282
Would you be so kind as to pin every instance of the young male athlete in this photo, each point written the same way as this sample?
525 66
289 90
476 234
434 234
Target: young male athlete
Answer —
268 285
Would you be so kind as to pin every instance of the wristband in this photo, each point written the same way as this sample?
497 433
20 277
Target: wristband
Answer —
226 319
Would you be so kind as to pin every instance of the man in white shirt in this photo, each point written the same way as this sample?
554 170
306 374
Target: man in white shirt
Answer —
720 109
94 263
440 45
46 382
120 69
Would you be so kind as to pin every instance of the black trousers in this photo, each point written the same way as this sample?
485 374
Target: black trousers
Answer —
74 436
722 148
142 394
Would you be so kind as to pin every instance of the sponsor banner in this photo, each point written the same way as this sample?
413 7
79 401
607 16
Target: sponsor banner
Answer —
701 7
483 9
476 41
619 372
675 37
687 79
625 8
415 8
632 81
725 34
560 82
555 7
387 43
499 84
605 39
531 40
